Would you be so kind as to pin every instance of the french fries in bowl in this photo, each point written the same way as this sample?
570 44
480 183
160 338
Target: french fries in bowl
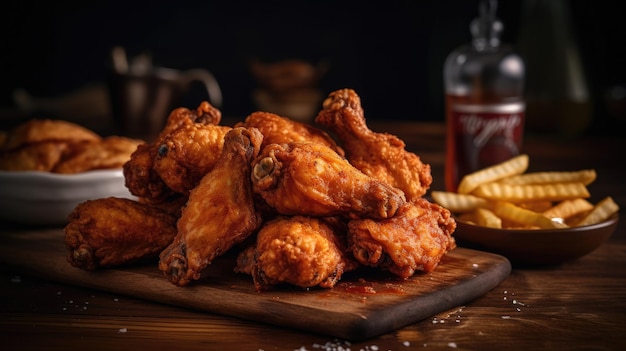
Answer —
530 217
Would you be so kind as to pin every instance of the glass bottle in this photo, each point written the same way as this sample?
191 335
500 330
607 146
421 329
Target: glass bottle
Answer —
484 87
556 90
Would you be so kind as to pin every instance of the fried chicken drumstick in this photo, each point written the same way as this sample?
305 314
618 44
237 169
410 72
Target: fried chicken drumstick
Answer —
301 251
187 154
311 179
113 231
141 178
220 211
380 155
280 130
414 239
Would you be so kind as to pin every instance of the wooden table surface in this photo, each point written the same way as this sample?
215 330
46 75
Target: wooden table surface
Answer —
579 305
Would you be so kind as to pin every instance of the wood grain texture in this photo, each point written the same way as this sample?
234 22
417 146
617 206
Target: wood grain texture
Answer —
462 276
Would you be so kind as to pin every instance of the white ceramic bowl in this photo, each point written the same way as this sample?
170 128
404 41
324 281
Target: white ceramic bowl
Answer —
42 198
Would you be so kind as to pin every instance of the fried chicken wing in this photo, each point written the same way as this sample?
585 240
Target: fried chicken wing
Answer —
280 130
40 156
115 231
416 238
140 177
302 251
302 178
380 155
220 212
110 152
187 154
48 130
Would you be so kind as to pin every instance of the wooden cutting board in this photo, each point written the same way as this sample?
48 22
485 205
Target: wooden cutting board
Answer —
364 304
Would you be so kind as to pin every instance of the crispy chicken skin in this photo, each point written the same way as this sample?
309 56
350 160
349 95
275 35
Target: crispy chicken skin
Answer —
48 130
115 231
220 212
112 152
416 238
40 156
280 130
302 178
380 155
301 251
140 177
187 154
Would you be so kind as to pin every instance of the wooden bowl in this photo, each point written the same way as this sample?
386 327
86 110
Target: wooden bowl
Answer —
536 247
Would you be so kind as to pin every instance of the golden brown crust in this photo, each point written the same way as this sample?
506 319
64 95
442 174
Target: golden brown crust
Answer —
187 154
112 152
312 179
115 231
220 212
380 155
47 130
301 251
415 239
41 156
280 130
141 179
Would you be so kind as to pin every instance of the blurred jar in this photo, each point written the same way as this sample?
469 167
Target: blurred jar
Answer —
557 97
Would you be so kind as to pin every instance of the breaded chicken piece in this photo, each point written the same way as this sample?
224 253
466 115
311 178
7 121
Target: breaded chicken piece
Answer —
416 238
220 212
188 153
311 179
48 130
111 152
140 177
379 155
280 130
113 231
301 251
40 156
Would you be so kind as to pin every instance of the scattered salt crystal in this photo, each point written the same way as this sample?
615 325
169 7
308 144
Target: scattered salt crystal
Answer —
58 293
406 343
122 330
452 344
116 299
475 265
506 317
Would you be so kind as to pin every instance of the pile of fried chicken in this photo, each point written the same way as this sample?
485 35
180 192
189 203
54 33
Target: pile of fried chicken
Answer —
62 147
301 208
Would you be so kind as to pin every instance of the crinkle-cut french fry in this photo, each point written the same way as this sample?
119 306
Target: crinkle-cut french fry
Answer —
513 166
604 209
523 193
468 217
457 203
486 218
510 212
568 208
536 206
585 176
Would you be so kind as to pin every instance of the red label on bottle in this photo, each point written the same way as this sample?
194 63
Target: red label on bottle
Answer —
483 135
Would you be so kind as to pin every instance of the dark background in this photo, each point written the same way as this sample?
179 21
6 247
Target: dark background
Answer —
391 52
